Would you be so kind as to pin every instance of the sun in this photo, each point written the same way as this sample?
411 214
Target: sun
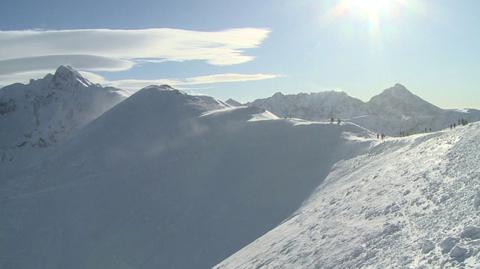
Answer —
371 7
373 11
368 8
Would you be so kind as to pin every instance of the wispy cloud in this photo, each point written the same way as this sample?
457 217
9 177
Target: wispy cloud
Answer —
217 48
198 80
34 52
51 62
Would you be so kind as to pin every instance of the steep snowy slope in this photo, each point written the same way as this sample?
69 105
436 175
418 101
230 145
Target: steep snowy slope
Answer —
47 111
393 111
166 180
407 203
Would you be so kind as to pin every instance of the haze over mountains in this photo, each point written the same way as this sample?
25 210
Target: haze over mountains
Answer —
164 179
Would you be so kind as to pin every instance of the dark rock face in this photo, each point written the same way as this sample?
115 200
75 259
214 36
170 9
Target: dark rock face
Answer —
427 246
471 232
448 243
7 106
459 253
390 229
476 201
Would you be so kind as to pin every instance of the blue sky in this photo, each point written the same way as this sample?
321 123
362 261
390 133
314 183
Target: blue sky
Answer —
432 47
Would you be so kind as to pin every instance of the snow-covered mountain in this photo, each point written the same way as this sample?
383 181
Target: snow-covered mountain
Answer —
233 102
393 111
408 203
166 180
49 110
313 106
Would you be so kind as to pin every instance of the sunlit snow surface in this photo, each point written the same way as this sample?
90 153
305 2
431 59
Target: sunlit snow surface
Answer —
165 180
170 180
407 203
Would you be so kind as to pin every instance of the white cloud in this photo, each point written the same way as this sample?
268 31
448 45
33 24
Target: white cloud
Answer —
218 48
198 80
22 77
229 77
31 53
135 84
51 62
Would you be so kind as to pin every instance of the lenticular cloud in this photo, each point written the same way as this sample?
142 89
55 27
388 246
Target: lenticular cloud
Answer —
217 48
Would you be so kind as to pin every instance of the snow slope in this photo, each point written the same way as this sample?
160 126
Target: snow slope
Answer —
166 180
393 111
406 203
49 110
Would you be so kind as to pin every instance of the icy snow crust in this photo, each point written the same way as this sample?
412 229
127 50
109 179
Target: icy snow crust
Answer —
161 181
406 203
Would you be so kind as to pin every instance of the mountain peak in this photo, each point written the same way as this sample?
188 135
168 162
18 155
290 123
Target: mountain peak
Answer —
233 102
67 75
398 90
399 101
400 86
162 88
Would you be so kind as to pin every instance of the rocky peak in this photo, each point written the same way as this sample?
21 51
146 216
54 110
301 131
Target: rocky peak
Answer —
65 76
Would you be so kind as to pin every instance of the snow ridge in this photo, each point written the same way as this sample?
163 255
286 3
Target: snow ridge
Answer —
407 203
162 174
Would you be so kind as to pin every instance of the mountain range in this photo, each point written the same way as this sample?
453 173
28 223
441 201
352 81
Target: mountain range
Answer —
164 175
164 179
396 110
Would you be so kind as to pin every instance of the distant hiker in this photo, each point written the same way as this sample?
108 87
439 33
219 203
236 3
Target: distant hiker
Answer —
332 120
378 136
383 136
339 121
430 130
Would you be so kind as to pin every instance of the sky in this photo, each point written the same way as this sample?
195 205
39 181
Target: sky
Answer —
251 49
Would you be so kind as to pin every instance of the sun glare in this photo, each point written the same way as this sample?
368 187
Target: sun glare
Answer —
371 9
375 12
